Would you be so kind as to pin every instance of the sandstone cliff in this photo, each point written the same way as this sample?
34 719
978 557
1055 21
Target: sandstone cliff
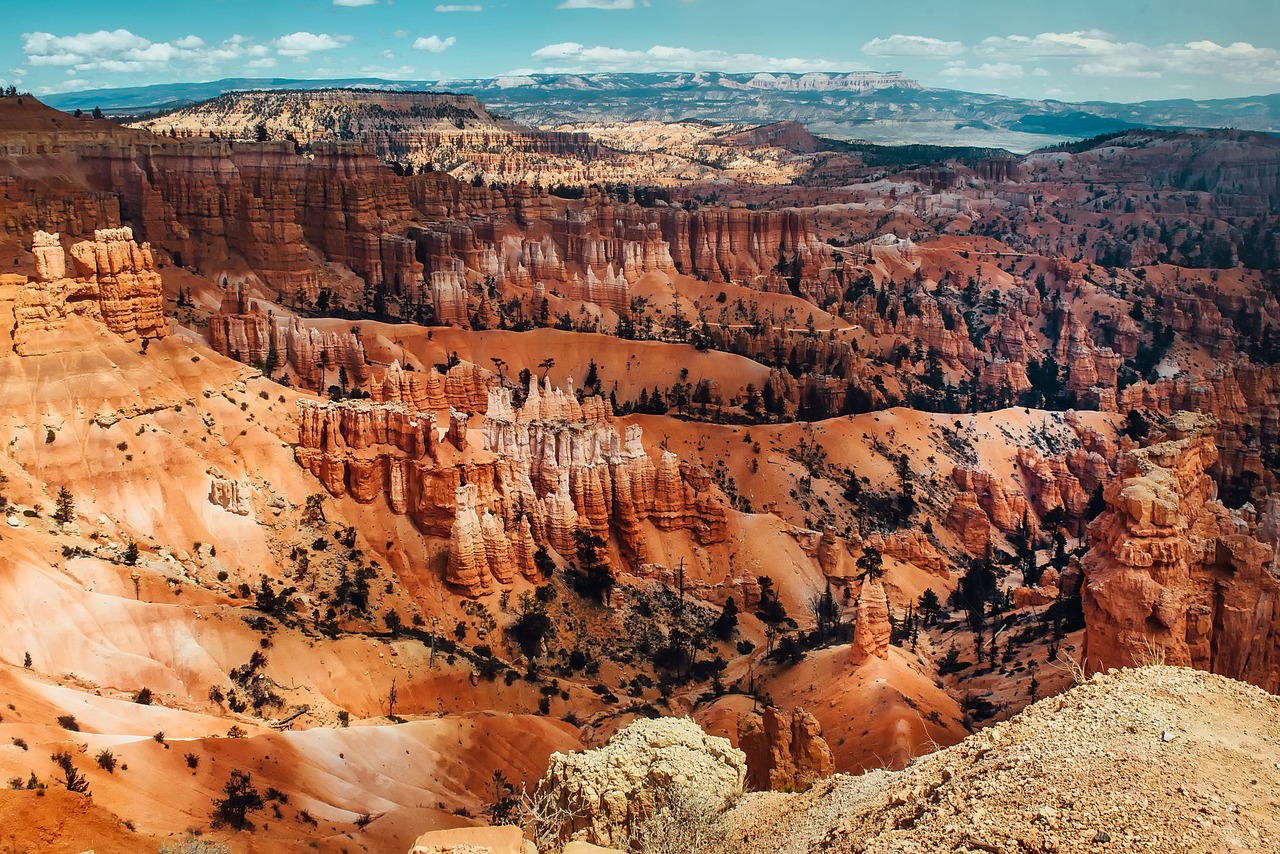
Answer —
783 753
112 280
1172 574
547 469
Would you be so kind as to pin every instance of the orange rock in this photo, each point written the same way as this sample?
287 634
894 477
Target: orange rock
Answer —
468 565
871 631
114 282
969 522
1172 574
783 753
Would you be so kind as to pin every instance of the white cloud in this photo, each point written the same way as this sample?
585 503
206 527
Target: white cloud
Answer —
452 7
354 2
576 57
1099 54
82 49
1044 45
987 70
434 44
900 45
122 51
265 62
597 4
303 43
400 73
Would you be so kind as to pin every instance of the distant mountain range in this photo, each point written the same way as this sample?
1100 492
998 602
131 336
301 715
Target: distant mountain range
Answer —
879 107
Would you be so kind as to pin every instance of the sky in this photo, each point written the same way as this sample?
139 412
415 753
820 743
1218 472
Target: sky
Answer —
1116 50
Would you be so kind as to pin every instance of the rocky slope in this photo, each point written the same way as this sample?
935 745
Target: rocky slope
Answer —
419 131
1157 759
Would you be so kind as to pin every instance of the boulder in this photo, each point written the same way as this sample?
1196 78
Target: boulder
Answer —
647 767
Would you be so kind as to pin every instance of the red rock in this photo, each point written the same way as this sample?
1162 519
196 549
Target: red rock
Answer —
1172 574
969 522
784 753
871 631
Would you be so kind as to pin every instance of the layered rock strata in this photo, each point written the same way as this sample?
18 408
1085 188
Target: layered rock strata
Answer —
246 333
112 280
547 469
784 753
1172 574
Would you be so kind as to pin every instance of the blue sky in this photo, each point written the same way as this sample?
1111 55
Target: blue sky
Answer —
1069 49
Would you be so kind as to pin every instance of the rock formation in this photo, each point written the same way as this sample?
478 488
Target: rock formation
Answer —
608 792
468 557
1004 508
871 631
1172 574
783 754
968 521
244 332
503 839
547 469
230 495
114 282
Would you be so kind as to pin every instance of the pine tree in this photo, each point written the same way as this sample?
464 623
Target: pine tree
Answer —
66 507
241 799
727 622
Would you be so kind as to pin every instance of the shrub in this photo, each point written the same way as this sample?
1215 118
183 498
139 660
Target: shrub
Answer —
143 697
107 761
68 722
71 778
240 799
193 761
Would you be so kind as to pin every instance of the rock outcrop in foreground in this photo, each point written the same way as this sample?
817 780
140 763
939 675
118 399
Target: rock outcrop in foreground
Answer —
1161 759
112 280
1172 574
606 795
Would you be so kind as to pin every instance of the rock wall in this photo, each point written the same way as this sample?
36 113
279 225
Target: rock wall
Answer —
243 331
112 280
416 242
784 753
547 469
1171 573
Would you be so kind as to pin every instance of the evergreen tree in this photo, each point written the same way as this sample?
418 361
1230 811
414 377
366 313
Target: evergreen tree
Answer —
871 563
65 509
241 798
725 624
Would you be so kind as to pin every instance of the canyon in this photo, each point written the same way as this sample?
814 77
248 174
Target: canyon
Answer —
410 491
